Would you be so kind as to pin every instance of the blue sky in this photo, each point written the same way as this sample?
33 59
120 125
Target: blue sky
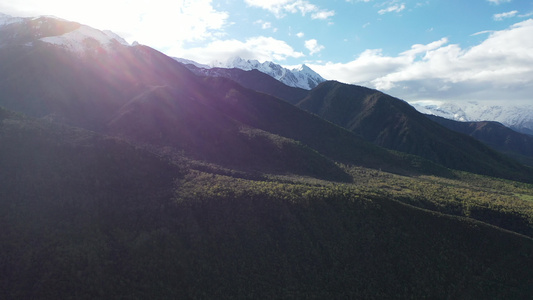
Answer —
355 26
432 50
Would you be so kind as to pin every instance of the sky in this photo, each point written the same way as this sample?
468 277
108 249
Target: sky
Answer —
416 50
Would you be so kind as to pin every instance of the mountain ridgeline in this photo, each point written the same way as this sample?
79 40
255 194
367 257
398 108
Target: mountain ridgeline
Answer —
391 123
142 95
499 137
300 77
394 124
255 80
123 174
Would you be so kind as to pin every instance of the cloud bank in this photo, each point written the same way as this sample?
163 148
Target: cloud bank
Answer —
260 48
499 66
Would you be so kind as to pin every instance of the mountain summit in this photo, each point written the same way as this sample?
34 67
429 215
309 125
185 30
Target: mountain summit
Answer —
71 36
300 77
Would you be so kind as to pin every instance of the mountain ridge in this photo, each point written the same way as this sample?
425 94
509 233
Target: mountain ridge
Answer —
496 135
352 116
516 117
91 90
69 35
394 124
300 77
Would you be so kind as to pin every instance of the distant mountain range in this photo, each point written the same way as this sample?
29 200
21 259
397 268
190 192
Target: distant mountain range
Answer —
394 124
496 135
300 77
142 95
516 117
147 80
363 111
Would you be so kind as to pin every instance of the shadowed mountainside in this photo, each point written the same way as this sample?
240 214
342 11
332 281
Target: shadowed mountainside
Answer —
140 94
392 123
256 81
496 135
389 122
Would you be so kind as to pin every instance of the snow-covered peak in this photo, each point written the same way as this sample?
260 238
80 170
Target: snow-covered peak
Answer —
303 68
85 38
191 62
301 77
518 117
236 62
52 30
117 37
7 19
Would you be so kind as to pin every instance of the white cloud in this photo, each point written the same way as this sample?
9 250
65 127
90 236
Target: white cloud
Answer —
482 32
260 48
498 2
501 64
280 7
264 24
392 8
418 48
300 34
369 65
323 15
422 4
313 46
509 14
526 15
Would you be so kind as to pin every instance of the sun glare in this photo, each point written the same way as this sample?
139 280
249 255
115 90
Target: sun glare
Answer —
162 24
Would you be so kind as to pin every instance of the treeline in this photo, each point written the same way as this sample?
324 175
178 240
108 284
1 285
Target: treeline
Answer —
221 237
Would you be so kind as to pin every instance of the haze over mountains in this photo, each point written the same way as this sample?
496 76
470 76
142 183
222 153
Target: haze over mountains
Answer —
124 174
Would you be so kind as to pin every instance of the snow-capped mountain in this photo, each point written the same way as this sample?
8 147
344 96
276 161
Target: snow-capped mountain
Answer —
71 36
301 77
7 19
191 62
83 38
517 117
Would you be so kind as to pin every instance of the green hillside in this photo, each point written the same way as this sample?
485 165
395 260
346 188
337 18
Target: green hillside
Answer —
86 216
